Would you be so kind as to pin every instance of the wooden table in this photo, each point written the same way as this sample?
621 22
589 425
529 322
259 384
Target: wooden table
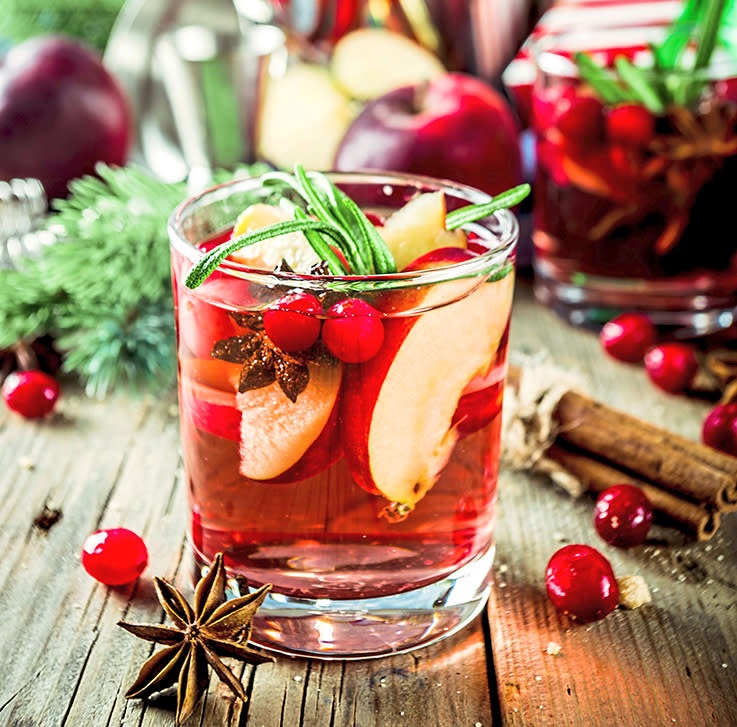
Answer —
116 462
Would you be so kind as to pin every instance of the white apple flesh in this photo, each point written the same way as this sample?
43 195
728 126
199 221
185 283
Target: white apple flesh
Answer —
398 407
369 62
419 227
303 118
276 432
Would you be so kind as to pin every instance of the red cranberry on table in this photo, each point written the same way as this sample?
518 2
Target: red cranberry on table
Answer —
581 584
115 556
671 366
292 323
353 330
623 515
628 337
32 394
719 428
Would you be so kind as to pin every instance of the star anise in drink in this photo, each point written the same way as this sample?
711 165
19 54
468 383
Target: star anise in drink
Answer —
262 362
213 628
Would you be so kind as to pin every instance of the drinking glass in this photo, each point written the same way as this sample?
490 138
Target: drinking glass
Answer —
632 207
367 498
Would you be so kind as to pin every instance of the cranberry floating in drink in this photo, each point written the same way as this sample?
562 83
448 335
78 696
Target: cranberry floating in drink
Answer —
340 418
637 163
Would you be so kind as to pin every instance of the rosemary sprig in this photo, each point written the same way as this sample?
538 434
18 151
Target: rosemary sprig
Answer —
331 216
473 212
669 80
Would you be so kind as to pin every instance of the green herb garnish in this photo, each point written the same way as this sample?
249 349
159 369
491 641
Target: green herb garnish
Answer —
673 77
329 218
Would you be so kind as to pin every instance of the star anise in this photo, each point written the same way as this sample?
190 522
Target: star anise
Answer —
214 627
264 363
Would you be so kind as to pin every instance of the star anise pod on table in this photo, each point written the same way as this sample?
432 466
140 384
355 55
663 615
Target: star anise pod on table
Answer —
213 628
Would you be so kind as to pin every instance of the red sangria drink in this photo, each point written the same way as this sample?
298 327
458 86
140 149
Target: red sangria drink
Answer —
637 164
342 345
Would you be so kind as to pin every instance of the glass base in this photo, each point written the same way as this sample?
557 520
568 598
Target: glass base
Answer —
679 305
371 627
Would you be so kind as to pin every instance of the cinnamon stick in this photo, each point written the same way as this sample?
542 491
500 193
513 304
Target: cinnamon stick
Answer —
677 464
596 476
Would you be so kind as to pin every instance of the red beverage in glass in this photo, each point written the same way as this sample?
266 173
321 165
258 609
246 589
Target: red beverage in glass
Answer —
632 204
363 490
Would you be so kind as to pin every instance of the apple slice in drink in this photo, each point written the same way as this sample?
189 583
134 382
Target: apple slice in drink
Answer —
419 227
276 432
398 407
266 255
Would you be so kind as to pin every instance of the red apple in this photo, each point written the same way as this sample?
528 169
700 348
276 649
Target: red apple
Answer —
453 126
398 408
61 112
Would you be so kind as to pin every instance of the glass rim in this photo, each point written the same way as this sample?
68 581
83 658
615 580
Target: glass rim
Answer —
551 52
483 263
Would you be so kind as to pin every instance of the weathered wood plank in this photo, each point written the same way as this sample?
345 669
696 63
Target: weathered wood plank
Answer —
444 684
667 663
65 662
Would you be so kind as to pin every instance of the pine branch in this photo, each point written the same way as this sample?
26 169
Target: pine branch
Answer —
103 291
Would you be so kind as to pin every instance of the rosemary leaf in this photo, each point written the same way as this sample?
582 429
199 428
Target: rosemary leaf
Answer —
206 265
601 81
472 212
709 33
321 248
669 51
638 81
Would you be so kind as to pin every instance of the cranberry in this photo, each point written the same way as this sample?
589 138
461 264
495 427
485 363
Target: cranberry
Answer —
625 160
114 557
719 429
291 324
32 394
581 584
671 366
580 119
623 515
628 337
630 124
353 330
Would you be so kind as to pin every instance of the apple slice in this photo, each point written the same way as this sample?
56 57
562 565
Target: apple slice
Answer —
266 255
419 227
398 407
304 115
369 62
276 432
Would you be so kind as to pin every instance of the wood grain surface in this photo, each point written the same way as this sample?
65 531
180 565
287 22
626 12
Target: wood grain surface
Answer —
64 662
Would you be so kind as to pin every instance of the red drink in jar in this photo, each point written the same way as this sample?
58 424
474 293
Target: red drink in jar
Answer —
341 433
632 197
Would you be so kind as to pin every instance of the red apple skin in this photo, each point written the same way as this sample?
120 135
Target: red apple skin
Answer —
440 256
362 382
61 112
454 127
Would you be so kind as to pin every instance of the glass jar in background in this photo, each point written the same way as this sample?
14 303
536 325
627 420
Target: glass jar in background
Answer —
633 205
442 26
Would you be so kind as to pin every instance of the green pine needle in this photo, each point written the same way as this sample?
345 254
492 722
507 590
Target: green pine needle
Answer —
103 290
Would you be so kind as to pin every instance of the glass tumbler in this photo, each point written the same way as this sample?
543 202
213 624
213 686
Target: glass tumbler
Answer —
361 487
632 205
